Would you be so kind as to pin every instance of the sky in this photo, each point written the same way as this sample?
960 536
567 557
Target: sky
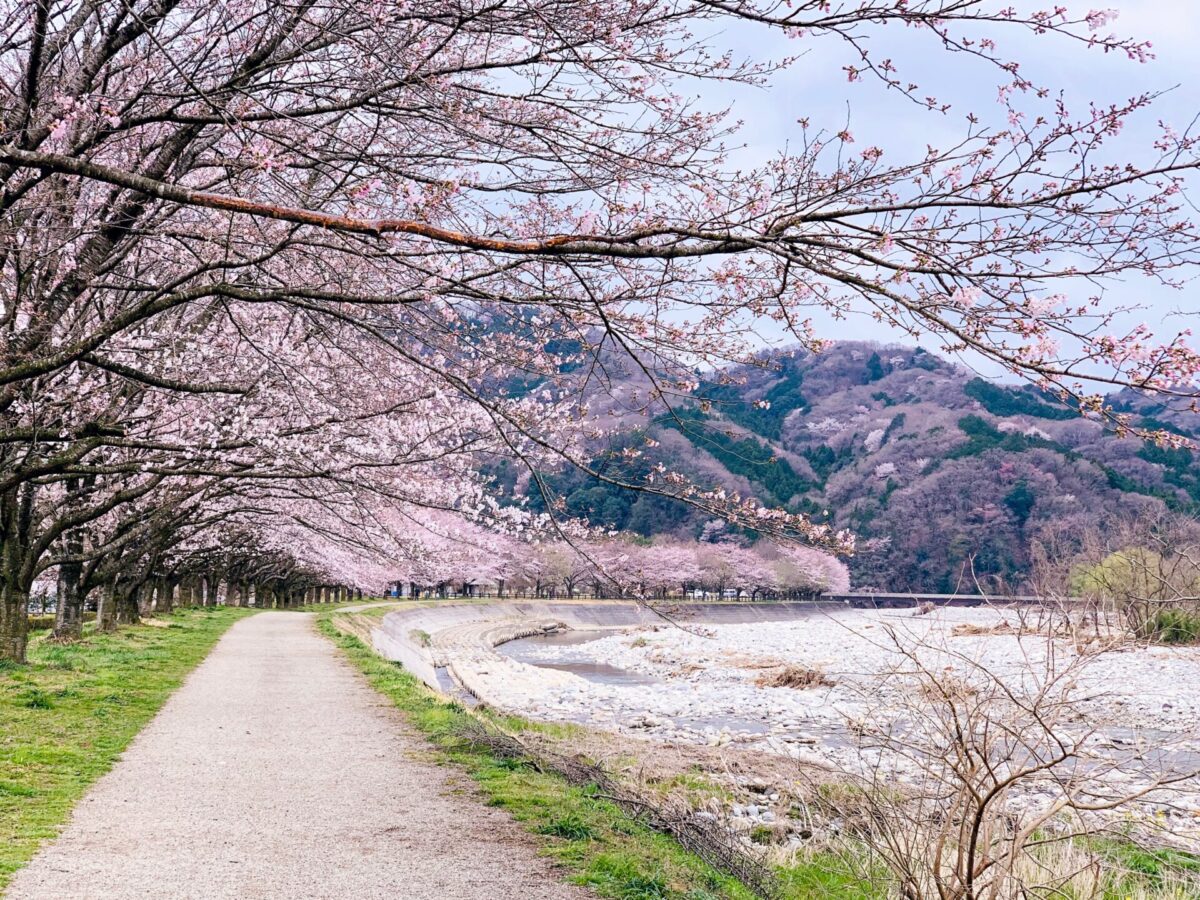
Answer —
817 88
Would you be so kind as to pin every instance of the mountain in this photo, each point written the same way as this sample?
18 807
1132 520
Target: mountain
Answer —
944 476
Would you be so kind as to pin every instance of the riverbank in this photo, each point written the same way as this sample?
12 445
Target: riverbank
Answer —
603 848
693 707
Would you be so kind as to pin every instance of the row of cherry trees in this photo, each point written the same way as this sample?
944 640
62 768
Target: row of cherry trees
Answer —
276 278
233 573
623 567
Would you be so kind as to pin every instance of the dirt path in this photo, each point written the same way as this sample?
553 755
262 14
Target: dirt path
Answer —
275 771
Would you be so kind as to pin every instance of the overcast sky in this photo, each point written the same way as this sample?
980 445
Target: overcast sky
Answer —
818 89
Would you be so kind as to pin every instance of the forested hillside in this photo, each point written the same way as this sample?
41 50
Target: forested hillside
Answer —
945 476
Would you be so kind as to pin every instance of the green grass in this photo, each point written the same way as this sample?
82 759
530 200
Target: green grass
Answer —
66 716
1131 869
341 604
593 839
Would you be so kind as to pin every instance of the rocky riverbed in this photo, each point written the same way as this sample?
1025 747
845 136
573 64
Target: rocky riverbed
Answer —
711 683
849 673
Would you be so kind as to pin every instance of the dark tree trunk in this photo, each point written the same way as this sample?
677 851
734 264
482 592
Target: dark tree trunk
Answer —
106 609
68 612
16 514
128 606
14 623
68 615
164 600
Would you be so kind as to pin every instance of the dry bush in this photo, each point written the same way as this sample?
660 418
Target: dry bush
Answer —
981 786
799 677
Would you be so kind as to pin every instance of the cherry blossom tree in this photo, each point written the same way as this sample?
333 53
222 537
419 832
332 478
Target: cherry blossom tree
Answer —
335 254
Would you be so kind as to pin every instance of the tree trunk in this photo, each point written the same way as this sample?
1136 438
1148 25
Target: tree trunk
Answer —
14 624
128 607
164 601
16 513
106 609
68 615
68 610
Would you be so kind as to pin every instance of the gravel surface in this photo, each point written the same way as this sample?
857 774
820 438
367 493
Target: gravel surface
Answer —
275 771
710 677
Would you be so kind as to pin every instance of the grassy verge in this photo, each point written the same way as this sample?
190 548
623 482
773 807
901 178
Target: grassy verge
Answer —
342 604
66 716
598 844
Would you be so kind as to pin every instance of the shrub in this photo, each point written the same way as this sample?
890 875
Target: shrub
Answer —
1175 626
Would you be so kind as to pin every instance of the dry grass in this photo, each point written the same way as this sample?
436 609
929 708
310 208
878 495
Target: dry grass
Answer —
360 625
970 629
798 677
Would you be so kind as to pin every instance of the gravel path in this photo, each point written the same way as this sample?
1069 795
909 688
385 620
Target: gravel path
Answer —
275 771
